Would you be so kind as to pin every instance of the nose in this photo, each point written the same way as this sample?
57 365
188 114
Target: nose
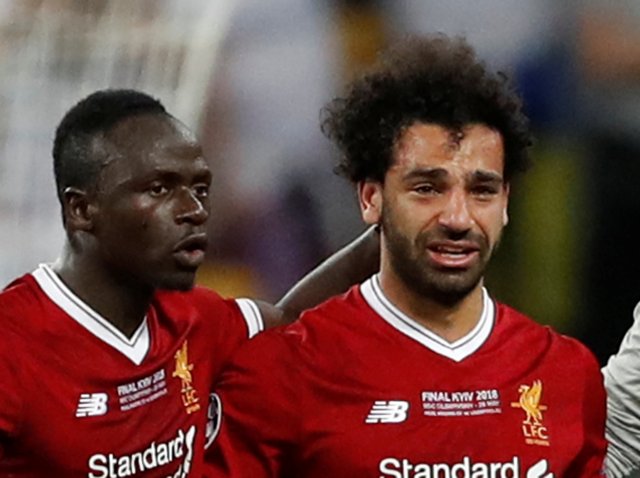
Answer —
192 208
455 214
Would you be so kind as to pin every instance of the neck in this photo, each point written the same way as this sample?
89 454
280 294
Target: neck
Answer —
120 301
449 321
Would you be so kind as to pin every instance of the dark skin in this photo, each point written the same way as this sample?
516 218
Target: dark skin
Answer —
141 227
123 231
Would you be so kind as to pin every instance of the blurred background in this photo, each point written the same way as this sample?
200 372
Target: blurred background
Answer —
250 76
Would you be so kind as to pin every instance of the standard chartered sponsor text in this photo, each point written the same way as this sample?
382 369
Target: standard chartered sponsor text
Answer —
466 468
155 455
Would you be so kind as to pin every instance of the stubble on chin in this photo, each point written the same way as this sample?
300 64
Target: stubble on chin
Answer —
412 266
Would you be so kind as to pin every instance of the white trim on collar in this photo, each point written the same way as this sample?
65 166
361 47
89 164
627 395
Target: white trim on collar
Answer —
456 351
134 348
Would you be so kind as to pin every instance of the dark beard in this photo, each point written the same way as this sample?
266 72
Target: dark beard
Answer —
446 287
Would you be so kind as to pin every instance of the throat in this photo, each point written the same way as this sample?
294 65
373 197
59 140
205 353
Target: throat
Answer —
125 312
121 304
449 327
127 327
450 321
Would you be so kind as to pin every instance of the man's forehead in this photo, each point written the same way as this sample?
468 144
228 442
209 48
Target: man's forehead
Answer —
437 135
145 143
476 146
144 134
146 130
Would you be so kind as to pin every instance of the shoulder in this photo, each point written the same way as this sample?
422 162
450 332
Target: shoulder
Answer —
22 312
339 311
226 322
21 302
331 326
622 368
199 301
320 335
270 347
530 334
20 290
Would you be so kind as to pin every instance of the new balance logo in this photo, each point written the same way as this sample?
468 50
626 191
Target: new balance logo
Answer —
392 411
92 404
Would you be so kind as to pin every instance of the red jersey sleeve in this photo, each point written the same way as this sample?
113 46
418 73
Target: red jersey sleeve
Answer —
10 400
13 353
231 321
590 460
259 420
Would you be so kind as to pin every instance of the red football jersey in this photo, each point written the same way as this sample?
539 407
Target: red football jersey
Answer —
356 388
80 399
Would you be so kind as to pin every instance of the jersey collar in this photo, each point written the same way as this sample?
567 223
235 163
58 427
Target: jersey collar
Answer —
456 351
134 348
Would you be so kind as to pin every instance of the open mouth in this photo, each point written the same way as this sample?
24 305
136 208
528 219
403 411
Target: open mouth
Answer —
190 252
454 255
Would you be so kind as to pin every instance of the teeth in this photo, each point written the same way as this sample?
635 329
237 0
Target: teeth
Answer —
450 251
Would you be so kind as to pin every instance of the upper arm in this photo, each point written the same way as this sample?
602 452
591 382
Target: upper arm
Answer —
10 401
590 460
622 382
273 316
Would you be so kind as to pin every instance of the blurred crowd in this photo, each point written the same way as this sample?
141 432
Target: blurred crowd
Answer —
251 77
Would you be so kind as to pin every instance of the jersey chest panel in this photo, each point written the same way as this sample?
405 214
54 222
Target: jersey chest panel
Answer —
132 419
89 411
413 414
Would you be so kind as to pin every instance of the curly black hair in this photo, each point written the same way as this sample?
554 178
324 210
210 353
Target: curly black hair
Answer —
431 79
74 160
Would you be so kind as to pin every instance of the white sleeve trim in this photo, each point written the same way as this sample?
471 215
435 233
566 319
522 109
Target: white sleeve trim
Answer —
252 316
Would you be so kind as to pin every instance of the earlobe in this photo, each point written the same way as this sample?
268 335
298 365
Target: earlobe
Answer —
78 210
370 198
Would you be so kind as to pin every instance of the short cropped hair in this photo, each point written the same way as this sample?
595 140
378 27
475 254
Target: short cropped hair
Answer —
74 160
432 79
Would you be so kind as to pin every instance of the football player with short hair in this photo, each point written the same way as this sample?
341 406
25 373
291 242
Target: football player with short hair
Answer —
108 355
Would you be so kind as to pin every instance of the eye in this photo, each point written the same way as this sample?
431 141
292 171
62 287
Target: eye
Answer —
201 190
158 189
425 189
484 191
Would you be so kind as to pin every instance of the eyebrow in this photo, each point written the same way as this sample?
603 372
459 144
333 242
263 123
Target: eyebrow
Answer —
486 176
441 173
203 172
426 173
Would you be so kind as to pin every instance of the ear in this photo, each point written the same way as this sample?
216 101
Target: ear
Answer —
370 199
79 211
505 213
